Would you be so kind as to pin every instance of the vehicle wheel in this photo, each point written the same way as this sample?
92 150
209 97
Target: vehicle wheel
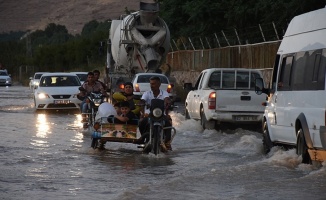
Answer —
267 142
302 148
206 124
156 139
187 114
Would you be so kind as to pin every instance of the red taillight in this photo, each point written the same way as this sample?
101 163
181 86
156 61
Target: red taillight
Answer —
212 100
137 88
169 88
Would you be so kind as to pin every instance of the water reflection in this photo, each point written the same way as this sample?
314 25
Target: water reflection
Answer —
42 131
42 126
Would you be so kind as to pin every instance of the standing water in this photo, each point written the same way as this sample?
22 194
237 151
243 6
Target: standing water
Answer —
47 155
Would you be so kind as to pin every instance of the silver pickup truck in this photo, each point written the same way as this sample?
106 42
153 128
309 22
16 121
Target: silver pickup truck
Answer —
225 95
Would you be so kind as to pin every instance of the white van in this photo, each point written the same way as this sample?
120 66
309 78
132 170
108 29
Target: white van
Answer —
295 112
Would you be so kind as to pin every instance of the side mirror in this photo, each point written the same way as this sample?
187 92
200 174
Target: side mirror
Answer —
187 86
30 78
259 87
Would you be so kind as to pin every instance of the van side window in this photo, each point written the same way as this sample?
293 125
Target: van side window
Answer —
284 80
316 71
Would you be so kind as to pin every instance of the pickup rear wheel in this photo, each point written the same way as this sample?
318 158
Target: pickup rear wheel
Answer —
302 148
267 142
204 123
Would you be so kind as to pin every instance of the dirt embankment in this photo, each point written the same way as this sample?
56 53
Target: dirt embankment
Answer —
74 14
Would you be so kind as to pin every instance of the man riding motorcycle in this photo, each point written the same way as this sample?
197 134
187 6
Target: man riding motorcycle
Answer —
155 93
89 86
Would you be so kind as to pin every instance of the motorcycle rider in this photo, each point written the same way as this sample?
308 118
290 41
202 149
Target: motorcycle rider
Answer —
97 74
89 86
155 93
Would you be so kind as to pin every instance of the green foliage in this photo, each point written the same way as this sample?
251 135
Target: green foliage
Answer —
191 18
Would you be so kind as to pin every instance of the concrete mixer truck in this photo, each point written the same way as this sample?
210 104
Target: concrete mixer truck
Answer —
138 42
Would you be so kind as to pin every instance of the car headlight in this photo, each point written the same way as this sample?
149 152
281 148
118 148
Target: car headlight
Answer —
42 96
157 112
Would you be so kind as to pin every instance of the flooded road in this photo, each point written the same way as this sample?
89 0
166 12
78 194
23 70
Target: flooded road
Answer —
48 156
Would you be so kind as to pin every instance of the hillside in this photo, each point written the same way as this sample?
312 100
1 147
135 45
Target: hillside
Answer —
74 14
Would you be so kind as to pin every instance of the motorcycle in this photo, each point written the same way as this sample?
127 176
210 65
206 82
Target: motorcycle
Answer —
93 101
156 121
107 131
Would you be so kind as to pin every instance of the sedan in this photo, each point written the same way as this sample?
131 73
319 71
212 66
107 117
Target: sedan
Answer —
5 78
57 91
141 84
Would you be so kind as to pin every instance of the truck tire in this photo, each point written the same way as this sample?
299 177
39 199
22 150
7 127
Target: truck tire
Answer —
302 148
206 124
267 142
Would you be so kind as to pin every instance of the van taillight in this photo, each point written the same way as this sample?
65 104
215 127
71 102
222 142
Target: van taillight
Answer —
169 88
212 100
137 88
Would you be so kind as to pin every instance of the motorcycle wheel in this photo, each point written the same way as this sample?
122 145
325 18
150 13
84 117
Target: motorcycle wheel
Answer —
156 139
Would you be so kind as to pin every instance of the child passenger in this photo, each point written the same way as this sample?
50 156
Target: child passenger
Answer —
126 115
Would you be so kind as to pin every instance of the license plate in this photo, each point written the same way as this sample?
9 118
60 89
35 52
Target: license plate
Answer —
61 101
245 118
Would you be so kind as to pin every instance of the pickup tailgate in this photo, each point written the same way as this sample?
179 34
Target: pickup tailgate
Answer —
239 101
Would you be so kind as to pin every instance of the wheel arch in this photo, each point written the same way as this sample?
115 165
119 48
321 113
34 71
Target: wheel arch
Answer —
301 122
265 119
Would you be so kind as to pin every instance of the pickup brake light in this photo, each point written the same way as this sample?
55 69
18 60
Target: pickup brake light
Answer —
212 100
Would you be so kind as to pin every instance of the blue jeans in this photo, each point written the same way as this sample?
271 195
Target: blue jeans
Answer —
83 106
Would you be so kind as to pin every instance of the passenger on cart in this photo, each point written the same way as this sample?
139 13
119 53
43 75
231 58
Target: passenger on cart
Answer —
126 116
127 95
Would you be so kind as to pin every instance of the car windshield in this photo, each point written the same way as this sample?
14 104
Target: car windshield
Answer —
3 73
145 79
37 76
82 77
59 81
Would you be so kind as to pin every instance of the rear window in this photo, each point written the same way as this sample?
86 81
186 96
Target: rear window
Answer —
145 79
233 80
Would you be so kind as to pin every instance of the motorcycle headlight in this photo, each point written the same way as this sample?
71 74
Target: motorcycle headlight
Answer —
157 112
97 102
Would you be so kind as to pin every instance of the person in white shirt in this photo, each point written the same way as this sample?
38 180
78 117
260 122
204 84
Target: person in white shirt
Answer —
155 93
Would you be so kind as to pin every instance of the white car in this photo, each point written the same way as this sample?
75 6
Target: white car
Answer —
82 76
57 91
34 81
141 84
5 78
